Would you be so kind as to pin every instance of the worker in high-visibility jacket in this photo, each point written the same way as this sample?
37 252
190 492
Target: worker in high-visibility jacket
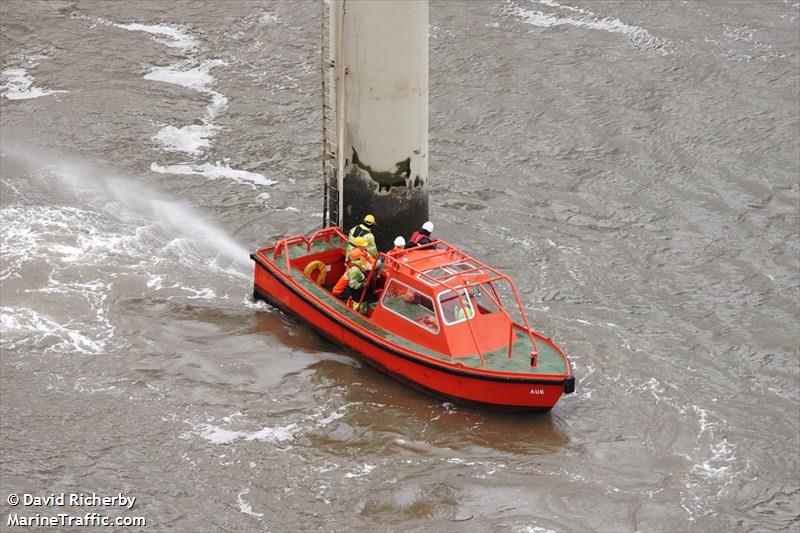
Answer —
351 285
364 229
460 315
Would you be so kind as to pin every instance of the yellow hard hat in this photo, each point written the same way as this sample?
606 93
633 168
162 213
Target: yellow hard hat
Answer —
361 242
369 220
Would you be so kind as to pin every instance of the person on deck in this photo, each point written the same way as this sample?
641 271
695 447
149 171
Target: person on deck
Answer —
399 244
350 286
421 237
364 229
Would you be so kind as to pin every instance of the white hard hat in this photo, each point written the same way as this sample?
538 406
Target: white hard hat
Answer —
399 242
428 226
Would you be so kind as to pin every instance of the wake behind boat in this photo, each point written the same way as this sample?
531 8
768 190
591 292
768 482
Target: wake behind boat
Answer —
434 317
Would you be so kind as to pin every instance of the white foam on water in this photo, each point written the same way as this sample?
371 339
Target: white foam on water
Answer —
552 3
276 434
218 103
533 529
714 471
29 228
245 507
206 293
330 418
95 292
198 78
722 453
195 138
191 139
268 18
258 305
173 36
459 461
720 463
714 467
18 244
66 239
230 417
585 20
219 435
216 171
335 415
19 85
21 327
94 387
361 472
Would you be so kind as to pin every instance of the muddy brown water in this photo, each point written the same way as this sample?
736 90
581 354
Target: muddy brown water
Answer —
634 166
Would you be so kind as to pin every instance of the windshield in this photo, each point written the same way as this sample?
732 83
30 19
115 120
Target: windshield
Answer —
502 292
453 310
485 304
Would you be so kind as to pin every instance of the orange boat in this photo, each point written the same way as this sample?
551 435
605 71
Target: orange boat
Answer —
436 318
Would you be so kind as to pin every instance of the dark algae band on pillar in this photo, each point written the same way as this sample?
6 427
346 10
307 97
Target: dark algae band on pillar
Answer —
401 177
400 209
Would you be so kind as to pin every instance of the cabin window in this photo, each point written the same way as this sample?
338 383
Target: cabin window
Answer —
439 273
464 267
503 292
410 304
453 311
483 302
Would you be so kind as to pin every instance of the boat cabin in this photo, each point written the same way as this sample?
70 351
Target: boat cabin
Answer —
435 295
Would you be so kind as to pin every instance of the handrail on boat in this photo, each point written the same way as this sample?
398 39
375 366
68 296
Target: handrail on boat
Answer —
324 233
429 256
283 244
288 258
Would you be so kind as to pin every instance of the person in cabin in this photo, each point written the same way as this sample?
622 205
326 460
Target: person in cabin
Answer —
460 314
421 237
364 229
350 286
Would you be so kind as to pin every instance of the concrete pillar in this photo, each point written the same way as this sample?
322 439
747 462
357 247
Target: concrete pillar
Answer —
382 52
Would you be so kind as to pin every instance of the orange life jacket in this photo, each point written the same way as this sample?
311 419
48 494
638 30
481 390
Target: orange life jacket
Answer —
341 285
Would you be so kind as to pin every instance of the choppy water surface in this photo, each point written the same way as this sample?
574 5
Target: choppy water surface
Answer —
634 166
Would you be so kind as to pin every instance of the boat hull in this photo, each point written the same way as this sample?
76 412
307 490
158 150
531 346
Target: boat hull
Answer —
517 393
